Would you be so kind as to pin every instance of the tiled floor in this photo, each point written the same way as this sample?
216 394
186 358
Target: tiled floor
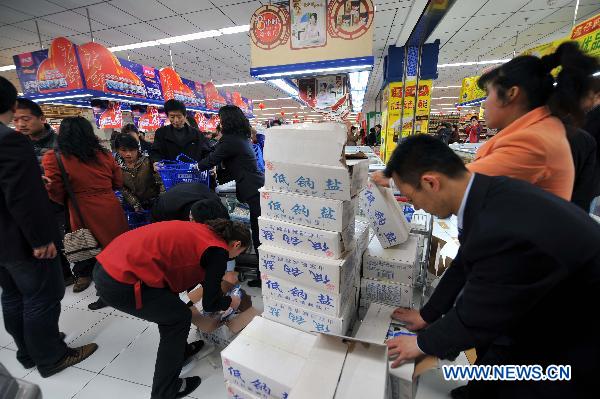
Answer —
124 363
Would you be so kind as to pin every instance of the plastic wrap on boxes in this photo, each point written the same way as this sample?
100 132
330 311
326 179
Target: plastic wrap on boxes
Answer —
399 263
387 219
320 213
324 243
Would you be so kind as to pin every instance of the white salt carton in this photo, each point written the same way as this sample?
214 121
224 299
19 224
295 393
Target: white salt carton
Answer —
266 358
399 263
294 237
307 319
386 216
311 271
389 292
311 178
321 213
235 392
320 301
362 233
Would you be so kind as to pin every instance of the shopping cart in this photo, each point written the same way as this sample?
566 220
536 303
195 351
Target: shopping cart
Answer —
183 170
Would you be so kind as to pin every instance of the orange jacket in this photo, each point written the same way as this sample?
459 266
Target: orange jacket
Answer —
533 148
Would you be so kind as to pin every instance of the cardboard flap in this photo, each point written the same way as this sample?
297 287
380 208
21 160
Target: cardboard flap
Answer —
365 372
321 144
424 364
240 321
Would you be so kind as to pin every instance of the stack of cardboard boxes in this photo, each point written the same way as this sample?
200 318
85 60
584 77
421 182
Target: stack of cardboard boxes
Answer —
310 255
392 261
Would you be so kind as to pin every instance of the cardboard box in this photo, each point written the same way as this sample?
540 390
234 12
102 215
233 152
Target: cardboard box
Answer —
308 320
221 334
403 380
386 216
362 234
314 179
389 292
399 263
311 271
308 143
343 368
320 301
235 392
323 243
266 358
317 212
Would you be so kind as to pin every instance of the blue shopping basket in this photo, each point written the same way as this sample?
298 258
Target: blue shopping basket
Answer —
134 219
183 170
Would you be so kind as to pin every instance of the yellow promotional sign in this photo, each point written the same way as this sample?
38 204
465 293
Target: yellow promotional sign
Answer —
587 34
470 91
545 49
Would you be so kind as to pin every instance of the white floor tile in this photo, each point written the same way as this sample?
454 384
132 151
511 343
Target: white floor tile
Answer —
71 298
63 385
213 385
102 387
112 334
9 359
83 304
74 322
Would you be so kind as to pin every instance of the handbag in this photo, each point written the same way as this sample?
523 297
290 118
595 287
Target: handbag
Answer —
80 244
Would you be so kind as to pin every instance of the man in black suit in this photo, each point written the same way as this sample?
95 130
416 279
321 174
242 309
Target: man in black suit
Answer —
189 199
30 275
524 282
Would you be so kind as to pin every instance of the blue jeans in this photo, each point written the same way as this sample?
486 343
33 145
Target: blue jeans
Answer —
31 293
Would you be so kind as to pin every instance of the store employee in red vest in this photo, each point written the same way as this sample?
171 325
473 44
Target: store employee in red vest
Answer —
142 272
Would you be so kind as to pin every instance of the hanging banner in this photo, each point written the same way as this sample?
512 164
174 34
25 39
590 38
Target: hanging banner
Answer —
108 114
214 99
324 93
212 122
470 91
311 31
147 118
174 87
51 70
200 96
587 34
544 49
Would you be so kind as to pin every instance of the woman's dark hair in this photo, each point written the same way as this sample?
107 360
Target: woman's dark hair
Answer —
234 122
76 138
126 141
532 75
32 106
231 231
372 130
474 118
129 128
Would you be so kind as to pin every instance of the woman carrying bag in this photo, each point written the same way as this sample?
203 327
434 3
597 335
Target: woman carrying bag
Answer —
93 176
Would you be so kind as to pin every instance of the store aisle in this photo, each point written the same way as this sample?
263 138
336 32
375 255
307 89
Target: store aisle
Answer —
124 362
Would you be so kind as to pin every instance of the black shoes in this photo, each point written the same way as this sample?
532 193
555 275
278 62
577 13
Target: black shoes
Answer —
73 356
99 304
188 385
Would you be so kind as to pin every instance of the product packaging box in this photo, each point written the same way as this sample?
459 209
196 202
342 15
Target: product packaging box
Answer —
362 234
294 237
341 367
389 292
378 326
399 263
221 334
317 212
266 358
327 275
314 179
307 319
319 301
387 219
235 392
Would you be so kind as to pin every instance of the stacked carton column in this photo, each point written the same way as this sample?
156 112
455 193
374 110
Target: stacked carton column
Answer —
309 258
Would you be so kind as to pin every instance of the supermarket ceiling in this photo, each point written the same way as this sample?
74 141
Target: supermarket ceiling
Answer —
473 30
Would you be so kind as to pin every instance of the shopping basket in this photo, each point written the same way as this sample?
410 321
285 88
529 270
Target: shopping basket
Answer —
260 162
134 219
183 170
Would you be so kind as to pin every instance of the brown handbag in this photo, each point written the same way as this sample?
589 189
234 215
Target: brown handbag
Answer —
80 244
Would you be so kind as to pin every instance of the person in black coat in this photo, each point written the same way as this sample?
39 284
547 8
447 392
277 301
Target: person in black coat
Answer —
178 137
520 288
371 137
30 275
587 169
178 202
235 154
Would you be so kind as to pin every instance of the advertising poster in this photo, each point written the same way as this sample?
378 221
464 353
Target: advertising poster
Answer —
199 92
212 122
201 119
51 70
149 77
307 89
108 114
308 23
103 72
324 93
349 18
174 87
249 105
214 99
470 91
587 34
147 118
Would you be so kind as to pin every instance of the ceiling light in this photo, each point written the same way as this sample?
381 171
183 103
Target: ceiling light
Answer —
275 99
442 98
446 87
7 68
314 71
444 104
189 37
235 29
254 82
457 64
132 46
285 86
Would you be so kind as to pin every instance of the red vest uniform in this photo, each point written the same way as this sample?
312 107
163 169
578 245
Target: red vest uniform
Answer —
160 255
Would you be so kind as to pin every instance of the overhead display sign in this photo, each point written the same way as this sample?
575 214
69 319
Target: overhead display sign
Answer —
470 90
587 34
108 114
311 31
324 93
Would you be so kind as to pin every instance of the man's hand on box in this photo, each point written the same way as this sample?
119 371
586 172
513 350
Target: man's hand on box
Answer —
380 179
402 349
411 317
235 302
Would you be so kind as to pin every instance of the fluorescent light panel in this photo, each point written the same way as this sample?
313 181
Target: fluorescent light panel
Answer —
254 82
285 86
7 68
446 87
457 64
313 71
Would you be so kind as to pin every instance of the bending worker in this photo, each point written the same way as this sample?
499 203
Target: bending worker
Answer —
142 272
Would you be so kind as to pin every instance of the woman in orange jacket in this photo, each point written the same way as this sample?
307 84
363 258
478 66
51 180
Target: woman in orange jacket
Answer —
525 103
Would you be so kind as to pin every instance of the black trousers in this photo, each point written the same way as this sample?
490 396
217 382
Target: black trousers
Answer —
61 220
84 268
254 205
31 294
160 306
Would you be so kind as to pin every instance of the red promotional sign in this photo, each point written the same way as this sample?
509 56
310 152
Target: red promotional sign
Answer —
269 26
214 100
173 87
60 71
151 120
